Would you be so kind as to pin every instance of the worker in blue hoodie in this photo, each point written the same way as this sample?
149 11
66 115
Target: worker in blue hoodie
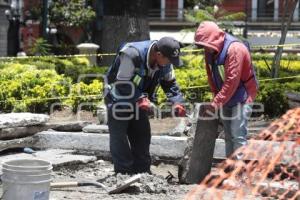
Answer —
133 78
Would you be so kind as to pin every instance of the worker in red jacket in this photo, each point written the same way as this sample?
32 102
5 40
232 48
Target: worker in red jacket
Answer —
232 80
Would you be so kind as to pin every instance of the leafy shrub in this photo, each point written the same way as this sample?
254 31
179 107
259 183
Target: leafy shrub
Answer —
272 95
77 66
40 47
70 13
29 89
38 82
83 93
26 88
262 56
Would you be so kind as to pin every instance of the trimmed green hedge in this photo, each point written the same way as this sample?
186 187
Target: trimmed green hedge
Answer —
34 85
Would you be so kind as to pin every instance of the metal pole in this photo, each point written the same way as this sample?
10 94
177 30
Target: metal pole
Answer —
254 10
162 9
245 34
44 19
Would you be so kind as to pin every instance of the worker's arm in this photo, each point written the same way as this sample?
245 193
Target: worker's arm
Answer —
211 83
124 87
233 69
126 69
170 86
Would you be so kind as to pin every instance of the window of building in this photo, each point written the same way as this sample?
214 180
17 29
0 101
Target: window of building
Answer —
265 9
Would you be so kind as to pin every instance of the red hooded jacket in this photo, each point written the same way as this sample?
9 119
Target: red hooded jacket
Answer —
237 64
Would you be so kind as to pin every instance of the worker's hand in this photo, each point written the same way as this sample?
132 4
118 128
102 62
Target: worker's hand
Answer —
144 104
207 110
179 110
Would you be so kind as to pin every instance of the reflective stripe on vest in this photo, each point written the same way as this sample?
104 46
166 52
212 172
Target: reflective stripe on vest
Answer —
221 70
137 80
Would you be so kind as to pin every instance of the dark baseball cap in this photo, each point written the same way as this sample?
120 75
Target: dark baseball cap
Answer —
170 48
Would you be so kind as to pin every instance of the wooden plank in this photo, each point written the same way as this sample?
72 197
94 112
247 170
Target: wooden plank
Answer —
198 156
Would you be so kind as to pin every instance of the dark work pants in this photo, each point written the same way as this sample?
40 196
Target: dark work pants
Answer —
130 142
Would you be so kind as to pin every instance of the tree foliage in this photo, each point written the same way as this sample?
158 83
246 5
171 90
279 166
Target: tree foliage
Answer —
70 13
40 47
202 3
210 11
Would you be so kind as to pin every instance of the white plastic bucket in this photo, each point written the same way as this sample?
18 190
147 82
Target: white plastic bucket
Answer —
26 179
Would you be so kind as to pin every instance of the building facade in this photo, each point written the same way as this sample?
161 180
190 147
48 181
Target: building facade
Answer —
3 28
259 10
263 10
170 10
163 15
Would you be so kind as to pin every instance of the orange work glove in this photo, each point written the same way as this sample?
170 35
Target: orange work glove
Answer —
144 104
179 110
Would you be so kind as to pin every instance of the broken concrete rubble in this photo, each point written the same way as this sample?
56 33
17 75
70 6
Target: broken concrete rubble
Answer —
29 130
167 126
17 143
93 128
22 119
70 166
57 157
161 146
19 132
153 184
75 126
150 187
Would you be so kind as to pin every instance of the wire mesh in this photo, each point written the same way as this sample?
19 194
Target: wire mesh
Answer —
269 168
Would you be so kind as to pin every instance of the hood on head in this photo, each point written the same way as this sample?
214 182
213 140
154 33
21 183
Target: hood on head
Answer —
210 35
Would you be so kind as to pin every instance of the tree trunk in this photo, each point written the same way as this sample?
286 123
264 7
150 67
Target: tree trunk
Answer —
289 8
121 29
122 21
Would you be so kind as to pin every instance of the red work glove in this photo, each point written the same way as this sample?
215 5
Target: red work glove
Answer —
179 110
144 104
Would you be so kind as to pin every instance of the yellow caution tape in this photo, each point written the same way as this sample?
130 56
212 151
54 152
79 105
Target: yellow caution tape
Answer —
55 98
113 54
57 56
262 80
101 96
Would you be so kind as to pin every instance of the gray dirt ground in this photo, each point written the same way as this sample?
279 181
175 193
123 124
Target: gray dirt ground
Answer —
150 187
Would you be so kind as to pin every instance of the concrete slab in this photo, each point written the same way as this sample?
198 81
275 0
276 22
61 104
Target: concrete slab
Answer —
17 143
19 132
73 126
161 146
22 119
166 126
94 128
258 149
57 157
